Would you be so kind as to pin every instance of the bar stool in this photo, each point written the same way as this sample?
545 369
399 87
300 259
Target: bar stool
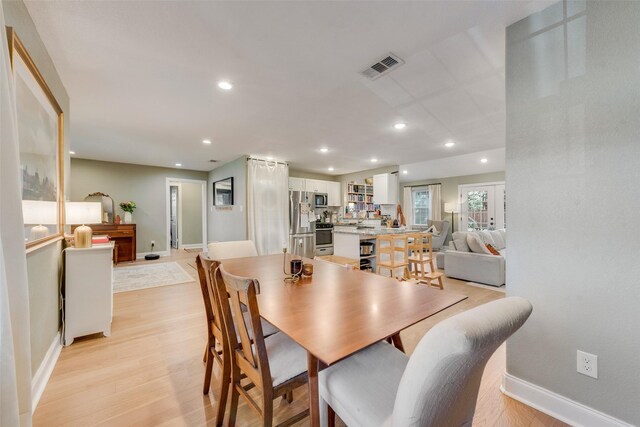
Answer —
389 245
421 247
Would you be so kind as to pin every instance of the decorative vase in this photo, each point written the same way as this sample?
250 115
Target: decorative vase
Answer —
128 218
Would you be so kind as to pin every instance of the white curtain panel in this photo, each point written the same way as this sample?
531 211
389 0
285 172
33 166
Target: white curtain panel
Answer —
15 347
268 205
407 205
436 204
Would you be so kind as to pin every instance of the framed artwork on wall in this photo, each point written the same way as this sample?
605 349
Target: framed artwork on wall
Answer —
223 192
41 143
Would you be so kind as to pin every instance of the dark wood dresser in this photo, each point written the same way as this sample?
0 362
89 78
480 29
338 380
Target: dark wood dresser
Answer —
124 236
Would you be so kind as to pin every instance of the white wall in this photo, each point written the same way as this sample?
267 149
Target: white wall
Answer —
227 224
573 170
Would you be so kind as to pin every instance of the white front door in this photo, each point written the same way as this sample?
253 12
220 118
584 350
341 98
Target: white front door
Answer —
482 206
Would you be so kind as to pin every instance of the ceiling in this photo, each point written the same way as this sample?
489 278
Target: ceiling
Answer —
142 77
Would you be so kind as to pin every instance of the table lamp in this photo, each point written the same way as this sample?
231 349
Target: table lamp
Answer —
83 213
39 212
452 208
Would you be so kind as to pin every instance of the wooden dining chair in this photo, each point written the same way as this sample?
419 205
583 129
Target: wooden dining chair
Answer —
394 246
421 256
216 338
437 386
215 348
276 364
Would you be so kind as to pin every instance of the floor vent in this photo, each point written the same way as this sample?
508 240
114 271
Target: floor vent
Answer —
382 67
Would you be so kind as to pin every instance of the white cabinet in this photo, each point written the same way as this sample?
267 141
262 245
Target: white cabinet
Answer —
88 300
316 186
297 184
334 195
385 189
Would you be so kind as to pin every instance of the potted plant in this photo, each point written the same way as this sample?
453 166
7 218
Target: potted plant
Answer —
128 208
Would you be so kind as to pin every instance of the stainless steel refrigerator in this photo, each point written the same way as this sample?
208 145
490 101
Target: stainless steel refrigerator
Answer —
302 233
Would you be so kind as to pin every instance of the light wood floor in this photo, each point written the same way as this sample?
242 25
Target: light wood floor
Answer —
150 371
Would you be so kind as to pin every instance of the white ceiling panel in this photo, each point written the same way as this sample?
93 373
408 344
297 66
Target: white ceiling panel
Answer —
462 57
453 108
423 75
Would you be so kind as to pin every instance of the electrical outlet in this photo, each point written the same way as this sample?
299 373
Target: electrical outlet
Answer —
153 243
588 364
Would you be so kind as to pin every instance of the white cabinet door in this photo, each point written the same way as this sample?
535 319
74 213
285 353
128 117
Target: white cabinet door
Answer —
322 186
316 186
310 185
334 195
297 184
385 189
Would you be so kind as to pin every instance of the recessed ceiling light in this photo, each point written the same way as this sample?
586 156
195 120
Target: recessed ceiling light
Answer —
374 160
324 150
400 126
72 152
178 164
225 85
405 172
484 160
206 141
330 168
449 144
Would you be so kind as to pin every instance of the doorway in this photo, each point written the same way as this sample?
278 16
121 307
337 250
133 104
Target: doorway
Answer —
186 213
482 206
173 216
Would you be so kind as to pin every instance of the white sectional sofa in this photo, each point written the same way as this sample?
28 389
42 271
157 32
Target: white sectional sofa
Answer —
461 262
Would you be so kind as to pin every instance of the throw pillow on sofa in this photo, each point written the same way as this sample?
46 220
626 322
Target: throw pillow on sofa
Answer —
460 242
486 238
433 230
492 249
476 244
497 238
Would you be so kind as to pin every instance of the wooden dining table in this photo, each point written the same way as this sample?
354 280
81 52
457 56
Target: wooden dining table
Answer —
337 311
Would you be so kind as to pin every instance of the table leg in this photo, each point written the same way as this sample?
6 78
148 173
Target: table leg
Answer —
314 397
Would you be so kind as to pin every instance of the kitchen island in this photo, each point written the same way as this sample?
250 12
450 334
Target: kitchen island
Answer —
348 239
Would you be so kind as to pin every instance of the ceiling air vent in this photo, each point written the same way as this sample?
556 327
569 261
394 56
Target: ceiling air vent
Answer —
382 67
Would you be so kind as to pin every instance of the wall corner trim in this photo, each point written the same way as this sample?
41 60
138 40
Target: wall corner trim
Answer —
42 375
555 405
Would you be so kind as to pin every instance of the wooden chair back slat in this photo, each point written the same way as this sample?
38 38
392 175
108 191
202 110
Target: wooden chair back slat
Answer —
252 355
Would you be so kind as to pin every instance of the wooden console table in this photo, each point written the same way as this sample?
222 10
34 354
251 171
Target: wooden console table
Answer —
124 237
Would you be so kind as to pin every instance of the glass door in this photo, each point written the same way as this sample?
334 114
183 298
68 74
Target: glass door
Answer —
482 207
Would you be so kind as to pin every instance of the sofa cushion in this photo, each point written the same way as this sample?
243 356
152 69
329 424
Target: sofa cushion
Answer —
503 231
476 244
460 241
486 238
497 238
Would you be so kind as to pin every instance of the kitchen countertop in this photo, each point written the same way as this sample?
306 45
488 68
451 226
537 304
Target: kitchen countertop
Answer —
371 231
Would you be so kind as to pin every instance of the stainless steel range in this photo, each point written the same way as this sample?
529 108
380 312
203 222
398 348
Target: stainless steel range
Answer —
324 239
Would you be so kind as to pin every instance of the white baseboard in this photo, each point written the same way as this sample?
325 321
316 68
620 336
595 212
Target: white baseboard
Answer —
555 405
41 377
192 246
141 255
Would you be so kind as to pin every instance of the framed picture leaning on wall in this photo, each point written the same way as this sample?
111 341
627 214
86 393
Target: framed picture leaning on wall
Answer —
41 142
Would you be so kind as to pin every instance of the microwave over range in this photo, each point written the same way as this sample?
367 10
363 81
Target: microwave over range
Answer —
321 200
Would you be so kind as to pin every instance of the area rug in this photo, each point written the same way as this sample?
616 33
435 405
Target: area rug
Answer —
149 276
501 289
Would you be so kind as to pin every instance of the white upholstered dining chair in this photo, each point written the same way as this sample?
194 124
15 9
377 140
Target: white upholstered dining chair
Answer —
436 387
234 249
